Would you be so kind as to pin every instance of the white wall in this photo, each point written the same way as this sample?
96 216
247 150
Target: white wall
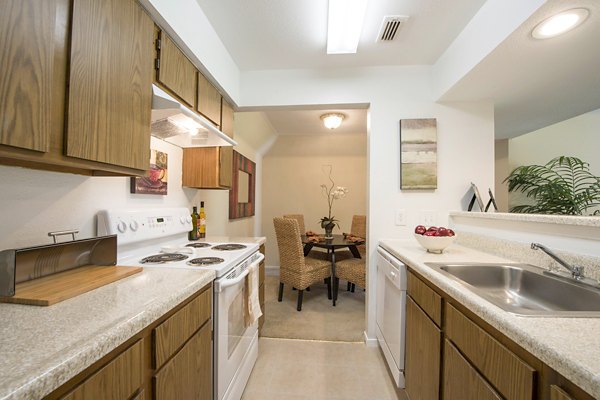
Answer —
465 140
293 174
33 202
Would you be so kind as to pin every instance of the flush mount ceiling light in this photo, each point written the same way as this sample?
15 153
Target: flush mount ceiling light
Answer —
344 25
332 120
560 23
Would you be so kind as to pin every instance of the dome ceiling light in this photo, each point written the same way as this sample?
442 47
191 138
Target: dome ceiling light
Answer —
560 23
332 120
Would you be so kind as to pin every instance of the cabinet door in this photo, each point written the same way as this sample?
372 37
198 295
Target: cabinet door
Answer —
176 71
225 166
26 61
423 346
118 380
188 375
110 84
461 380
227 118
557 393
209 100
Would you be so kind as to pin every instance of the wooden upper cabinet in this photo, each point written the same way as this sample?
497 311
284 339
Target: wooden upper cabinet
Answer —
209 100
110 90
207 167
227 118
175 71
26 61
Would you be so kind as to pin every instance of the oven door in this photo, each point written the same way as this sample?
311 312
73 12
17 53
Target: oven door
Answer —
233 338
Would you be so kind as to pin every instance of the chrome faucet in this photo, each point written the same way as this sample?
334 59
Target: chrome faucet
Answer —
576 271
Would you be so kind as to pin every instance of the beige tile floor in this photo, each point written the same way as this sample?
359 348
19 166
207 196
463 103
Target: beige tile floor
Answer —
294 369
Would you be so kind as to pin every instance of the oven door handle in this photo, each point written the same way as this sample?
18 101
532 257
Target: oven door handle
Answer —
232 282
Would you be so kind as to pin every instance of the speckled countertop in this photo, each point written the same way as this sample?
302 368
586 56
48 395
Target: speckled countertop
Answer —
43 347
571 346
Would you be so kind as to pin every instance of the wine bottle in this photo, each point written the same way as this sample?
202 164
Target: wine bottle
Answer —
194 234
202 223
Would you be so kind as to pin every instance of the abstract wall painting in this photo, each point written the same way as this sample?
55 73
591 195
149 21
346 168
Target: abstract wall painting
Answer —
418 154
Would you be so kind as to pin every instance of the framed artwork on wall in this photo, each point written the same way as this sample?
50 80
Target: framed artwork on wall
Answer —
241 195
156 180
418 154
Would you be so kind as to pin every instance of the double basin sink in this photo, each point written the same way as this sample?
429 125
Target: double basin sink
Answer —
524 289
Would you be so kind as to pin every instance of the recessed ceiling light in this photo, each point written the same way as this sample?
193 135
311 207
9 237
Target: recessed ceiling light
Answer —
560 23
344 25
332 120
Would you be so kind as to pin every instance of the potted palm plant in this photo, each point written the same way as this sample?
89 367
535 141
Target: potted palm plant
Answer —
563 186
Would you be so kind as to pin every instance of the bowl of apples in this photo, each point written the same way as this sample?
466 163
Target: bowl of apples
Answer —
434 239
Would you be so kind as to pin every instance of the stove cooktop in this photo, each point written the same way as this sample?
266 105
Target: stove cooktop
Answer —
163 258
229 246
198 245
204 261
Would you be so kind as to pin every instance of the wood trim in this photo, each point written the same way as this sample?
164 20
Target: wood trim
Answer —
188 375
510 375
175 331
461 380
242 210
423 352
557 393
119 379
426 298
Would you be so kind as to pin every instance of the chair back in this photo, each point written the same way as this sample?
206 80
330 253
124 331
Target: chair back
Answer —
291 252
300 219
359 226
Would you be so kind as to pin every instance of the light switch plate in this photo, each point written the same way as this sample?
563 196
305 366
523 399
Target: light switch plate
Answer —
400 217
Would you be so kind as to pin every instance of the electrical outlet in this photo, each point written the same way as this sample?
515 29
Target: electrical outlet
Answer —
428 217
401 217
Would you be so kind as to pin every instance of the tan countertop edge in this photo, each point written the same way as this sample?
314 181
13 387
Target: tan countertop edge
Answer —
32 367
535 218
571 346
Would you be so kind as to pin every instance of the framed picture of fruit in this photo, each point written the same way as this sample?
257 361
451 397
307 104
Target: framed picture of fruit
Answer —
418 154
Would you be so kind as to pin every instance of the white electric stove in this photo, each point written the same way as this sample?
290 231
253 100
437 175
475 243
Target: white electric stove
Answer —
157 238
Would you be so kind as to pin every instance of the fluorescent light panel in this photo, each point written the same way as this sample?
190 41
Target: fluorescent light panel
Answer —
345 23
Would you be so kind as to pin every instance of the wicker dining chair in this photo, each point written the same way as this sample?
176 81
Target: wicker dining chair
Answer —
352 270
300 219
359 226
295 269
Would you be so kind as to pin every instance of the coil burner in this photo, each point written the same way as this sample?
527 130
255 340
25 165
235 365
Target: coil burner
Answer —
229 247
198 245
164 258
204 261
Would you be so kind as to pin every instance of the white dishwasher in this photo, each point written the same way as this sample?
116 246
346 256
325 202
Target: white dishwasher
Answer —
391 311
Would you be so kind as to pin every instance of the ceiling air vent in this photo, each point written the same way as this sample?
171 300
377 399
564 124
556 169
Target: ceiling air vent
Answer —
390 26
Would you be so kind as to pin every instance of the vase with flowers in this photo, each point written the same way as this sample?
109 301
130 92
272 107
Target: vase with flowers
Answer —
332 192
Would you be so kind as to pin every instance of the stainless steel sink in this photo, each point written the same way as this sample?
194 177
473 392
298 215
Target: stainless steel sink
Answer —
524 289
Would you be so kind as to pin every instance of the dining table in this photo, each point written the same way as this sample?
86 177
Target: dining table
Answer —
337 242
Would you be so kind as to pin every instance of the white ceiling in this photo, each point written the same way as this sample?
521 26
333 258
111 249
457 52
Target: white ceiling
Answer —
532 83
287 34
308 122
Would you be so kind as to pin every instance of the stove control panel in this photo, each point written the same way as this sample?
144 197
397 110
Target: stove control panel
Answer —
132 226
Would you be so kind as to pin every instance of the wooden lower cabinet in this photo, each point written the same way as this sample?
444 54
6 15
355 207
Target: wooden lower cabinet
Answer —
130 372
479 362
461 380
119 379
423 353
188 374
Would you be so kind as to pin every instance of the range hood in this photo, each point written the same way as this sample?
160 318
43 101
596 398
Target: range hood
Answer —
175 123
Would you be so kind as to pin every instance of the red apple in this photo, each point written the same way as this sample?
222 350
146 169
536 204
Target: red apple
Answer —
442 231
420 229
430 233
451 232
432 228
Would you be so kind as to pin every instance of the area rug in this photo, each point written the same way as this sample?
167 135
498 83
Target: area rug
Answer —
319 319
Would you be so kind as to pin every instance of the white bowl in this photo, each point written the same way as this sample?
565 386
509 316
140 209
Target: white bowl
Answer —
434 244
